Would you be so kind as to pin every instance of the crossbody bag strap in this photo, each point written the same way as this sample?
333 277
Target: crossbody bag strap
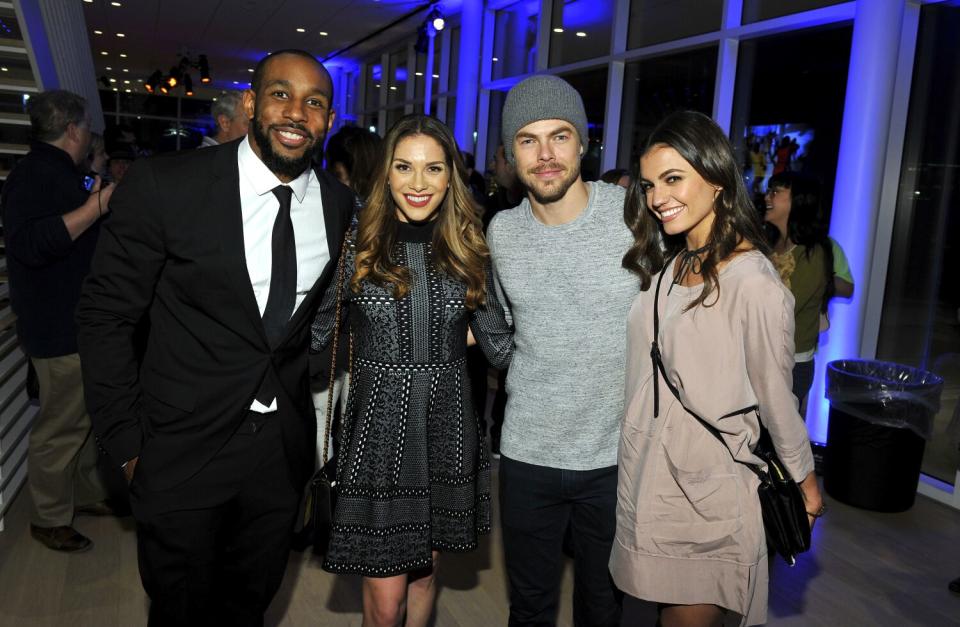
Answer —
656 357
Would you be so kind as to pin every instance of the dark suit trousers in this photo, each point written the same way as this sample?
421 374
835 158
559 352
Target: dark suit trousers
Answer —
213 550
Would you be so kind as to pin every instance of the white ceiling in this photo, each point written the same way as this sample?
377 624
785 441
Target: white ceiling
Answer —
234 34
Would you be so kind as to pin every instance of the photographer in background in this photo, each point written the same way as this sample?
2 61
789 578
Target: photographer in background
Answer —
51 212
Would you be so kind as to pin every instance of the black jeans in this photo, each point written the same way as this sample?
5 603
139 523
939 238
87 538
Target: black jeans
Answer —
802 379
537 504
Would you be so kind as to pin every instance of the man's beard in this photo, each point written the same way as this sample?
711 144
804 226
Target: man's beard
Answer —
555 189
277 163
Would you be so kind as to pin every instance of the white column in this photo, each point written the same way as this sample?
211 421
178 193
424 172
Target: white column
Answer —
468 74
867 109
55 33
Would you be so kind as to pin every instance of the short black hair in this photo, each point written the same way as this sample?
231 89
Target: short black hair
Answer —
262 67
51 112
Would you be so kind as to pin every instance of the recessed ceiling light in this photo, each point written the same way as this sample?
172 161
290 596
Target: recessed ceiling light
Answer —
324 33
419 73
4 69
115 89
103 52
377 85
580 33
495 59
139 80
120 35
113 80
125 70
123 55
98 32
249 69
558 30
116 4
393 88
88 1
126 82
109 68
301 30
127 90
436 76
236 82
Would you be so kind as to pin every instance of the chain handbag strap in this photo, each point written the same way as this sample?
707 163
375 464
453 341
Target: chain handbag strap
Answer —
341 270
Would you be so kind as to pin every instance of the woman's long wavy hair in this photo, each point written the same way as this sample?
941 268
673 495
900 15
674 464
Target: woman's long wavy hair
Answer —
736 226
806 225
459 248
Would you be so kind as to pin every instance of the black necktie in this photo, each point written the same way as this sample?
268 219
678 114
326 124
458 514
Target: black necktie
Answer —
283 271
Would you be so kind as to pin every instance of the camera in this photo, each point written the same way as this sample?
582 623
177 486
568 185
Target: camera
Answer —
88 182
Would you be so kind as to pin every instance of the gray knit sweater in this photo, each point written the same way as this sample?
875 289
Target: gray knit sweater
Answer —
569 300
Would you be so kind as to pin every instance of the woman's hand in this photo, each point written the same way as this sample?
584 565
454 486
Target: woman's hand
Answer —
471 341
812 500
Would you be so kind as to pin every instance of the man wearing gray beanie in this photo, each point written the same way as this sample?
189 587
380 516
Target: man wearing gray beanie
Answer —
557 257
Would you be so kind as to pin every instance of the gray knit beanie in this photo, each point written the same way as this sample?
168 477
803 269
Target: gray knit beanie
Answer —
541 97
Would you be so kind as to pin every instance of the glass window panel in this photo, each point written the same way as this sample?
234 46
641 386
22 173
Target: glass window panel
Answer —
592 85
373 75
581 30
757 10
657 21
437 60
515 39
9 26
11 103
784 95
454 58
451 112
392 116
493 123
191 108
921 307
655 87
16 68
397 79
419 78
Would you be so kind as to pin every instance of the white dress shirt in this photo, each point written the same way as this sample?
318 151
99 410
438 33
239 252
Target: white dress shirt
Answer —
259 208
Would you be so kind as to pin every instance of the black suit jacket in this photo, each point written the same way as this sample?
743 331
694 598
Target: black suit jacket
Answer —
173 247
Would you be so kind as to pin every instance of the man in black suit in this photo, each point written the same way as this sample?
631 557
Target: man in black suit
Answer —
229 250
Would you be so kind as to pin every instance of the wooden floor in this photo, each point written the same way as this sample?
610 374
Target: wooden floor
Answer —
865 569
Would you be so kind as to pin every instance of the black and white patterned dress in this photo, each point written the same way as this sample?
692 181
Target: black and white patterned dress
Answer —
413 473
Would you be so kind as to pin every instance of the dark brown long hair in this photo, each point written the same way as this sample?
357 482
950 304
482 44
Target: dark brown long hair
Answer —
704 146
459 248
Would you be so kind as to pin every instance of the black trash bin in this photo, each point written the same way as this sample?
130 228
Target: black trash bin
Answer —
881 415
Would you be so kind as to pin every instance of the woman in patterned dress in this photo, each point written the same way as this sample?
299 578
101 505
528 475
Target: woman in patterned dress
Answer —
413 474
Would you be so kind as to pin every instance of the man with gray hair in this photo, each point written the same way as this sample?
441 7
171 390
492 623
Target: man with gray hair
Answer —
557 257
230 119
51 214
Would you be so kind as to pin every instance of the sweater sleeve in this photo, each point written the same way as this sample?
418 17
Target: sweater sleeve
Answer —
35 233
490 327
768 339
323 325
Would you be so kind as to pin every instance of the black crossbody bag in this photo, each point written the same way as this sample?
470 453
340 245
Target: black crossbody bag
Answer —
784 512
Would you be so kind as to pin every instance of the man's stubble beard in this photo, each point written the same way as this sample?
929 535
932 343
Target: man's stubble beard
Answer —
275 162
557 192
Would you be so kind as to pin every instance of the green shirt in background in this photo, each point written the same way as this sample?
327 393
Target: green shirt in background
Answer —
841 267
805 276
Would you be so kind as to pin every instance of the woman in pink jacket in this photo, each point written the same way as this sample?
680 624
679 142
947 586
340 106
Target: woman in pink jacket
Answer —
689 528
